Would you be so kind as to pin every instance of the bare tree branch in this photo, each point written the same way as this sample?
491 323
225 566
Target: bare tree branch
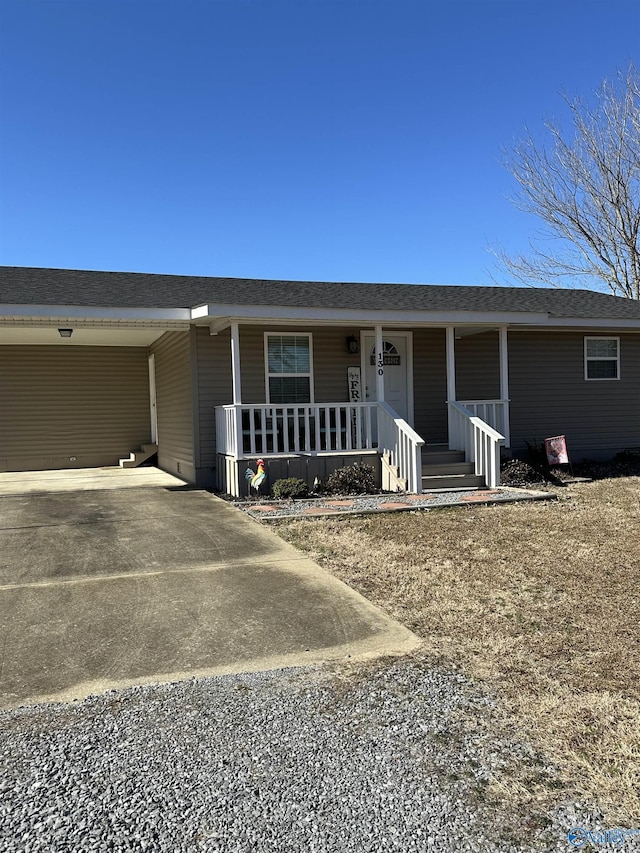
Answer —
586 189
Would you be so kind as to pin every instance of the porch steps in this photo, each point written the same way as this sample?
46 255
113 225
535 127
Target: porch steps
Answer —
446 469
137 457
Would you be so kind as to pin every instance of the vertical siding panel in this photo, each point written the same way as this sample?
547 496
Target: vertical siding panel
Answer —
57 402
174 404
214 389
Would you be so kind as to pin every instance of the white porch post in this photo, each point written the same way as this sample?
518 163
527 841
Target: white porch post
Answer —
451 384
237 389
379 365
504 381
504 364
235 364
451 363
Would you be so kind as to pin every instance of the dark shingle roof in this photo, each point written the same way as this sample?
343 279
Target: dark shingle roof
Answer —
36 286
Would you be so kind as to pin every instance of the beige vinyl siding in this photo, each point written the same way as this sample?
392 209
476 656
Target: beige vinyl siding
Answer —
550 396
330 363
478 366
175 404
329 355
430 384
57 402
214 389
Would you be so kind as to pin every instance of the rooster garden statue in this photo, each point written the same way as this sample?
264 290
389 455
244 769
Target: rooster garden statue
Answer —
259 477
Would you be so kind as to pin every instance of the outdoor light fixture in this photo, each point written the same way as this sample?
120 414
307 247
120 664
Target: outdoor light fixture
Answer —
352 345
65 333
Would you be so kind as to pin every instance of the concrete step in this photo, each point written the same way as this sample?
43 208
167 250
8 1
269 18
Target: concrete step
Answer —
137 457
440 457
429 470
455 481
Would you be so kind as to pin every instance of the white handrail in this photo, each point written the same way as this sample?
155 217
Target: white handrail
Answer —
403 444
479 441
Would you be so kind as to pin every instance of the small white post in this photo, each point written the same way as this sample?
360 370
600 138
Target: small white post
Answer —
237 389
451 385
379 365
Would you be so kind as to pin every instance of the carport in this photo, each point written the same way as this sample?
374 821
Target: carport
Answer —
78 390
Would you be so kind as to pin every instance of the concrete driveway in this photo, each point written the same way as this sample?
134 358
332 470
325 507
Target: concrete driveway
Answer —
107 588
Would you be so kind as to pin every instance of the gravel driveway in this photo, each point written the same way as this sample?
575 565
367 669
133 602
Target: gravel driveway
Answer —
292 760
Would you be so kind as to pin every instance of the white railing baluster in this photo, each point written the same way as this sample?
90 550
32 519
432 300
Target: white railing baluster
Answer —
310 430
369 431
338 417
285 429
493 412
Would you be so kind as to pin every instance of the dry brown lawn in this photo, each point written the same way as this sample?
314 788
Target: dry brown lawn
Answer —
540 602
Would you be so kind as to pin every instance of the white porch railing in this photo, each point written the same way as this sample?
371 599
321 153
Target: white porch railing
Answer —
479 441
493 412
403 445
272 429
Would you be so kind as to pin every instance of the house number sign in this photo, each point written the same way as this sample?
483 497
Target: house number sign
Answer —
388 358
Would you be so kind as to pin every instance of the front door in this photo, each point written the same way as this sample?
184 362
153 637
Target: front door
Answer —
397 355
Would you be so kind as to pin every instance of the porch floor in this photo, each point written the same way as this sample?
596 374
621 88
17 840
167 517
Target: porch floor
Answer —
271 510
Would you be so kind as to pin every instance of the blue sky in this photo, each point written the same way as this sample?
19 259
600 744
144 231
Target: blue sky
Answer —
349 140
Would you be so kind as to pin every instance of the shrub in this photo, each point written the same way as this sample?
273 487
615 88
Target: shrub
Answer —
356 479
292 487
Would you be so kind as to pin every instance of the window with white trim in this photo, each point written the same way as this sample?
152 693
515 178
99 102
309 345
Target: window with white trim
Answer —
289 376
602 358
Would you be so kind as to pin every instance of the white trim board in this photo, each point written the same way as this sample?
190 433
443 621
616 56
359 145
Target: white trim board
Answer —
386 317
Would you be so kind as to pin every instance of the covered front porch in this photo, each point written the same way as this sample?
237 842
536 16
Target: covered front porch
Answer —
375 418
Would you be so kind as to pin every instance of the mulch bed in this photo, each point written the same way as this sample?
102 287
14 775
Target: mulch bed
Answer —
520 473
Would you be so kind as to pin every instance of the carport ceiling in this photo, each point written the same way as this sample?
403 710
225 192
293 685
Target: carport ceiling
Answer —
86 337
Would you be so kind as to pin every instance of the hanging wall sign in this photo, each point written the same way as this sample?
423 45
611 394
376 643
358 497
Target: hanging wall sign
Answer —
355 389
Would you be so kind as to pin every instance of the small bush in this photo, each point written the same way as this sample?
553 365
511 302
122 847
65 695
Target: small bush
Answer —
292 487
356 479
